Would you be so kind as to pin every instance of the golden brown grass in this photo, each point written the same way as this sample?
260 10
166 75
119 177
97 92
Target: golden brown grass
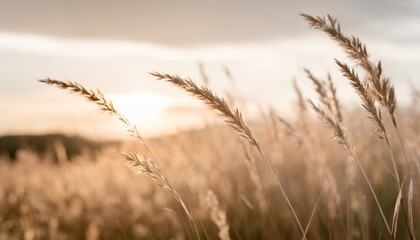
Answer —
318 180
141 164
375 89
233 117
217 215
101 193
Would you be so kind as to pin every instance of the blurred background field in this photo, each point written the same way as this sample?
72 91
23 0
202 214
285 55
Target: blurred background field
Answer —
93 195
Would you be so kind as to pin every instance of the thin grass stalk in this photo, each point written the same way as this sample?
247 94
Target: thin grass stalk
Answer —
375 116
372 191
374 113
301 100
400 141
341 136
282 191
320 88
383 91
334 98
400 189
203 74
381 88
229 75
232 117
150 167
255 176
410 210
401 186
313 213
303 111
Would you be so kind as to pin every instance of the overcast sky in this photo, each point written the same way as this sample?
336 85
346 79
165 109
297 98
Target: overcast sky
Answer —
113 44
197 22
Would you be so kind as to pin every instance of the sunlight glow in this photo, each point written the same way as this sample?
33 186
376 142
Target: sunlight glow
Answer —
142 108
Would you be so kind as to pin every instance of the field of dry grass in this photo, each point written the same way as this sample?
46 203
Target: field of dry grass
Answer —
352 174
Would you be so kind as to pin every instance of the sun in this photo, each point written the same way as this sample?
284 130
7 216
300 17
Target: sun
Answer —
142 108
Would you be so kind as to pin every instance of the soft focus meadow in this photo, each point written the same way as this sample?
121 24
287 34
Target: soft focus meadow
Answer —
329 172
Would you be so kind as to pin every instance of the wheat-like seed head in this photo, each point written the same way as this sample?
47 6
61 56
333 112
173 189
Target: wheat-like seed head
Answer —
98 98
334 98
381 88
337 127
320 88
327 95
368 103
233 117
217 215
145 165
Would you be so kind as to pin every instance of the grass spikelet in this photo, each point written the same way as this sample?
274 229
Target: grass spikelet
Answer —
320 88
338 129
340 134
145 165
382 90
376 88
98 98
367 102
217 215
334 98
232 117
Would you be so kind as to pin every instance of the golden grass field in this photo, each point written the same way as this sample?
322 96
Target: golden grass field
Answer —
330 172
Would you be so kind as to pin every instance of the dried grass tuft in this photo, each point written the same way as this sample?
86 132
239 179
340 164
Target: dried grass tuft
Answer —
217 215
148 166
232 117
380 87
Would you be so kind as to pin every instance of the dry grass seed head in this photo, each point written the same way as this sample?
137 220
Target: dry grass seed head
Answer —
368 103
99 99
144 165
382 90
338 128
232 117
334 98
320 88
217 215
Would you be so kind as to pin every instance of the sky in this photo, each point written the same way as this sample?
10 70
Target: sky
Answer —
112 45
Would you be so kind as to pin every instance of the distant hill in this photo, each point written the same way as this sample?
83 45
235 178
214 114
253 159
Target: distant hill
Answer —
42 144
75 145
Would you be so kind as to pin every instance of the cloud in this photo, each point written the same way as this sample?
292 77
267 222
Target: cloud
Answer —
113 44
189 22
46 45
